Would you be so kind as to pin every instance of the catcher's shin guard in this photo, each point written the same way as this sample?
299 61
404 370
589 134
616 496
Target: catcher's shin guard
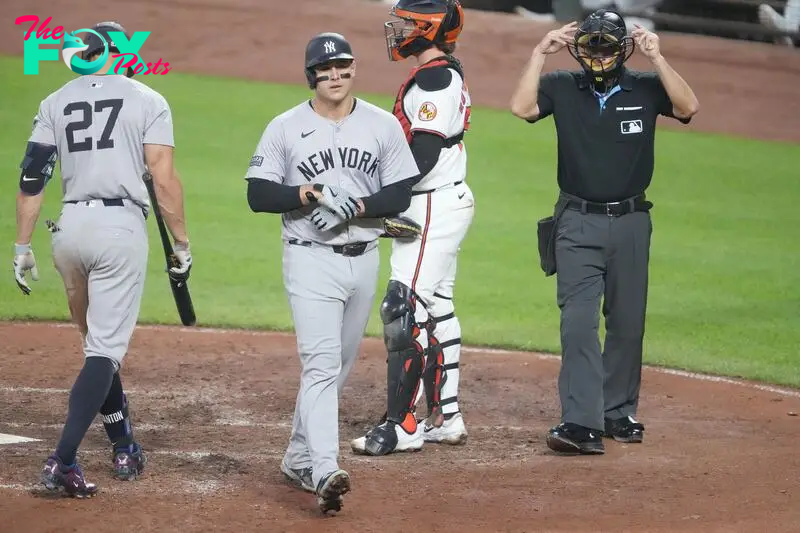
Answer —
405 343
441 374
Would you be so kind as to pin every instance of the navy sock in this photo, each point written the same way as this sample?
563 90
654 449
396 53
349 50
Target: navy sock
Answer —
116 419
88 394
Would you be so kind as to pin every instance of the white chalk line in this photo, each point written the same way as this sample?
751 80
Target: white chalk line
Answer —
5 438
467 349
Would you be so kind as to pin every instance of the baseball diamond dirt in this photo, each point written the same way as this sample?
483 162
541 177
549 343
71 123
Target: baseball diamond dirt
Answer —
213 407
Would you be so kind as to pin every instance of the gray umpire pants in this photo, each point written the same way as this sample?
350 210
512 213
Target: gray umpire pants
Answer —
601 257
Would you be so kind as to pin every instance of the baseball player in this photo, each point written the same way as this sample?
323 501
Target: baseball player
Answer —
104 128
422 332
333 166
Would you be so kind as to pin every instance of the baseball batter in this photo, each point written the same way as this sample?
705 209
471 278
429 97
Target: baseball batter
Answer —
422 332
332 165
104 128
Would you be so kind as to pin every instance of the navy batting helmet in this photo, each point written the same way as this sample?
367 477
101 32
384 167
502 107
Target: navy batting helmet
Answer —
96 45
602 45
322 48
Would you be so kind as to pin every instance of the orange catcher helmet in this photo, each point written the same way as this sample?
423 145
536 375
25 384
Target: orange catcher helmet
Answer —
422 24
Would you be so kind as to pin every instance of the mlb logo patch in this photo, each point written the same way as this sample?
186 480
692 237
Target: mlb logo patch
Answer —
256 161
627 127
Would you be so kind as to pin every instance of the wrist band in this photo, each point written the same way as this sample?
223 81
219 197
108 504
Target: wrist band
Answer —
21 249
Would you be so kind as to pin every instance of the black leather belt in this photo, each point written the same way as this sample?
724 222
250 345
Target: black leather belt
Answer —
415 193
107 202
351 249
612 209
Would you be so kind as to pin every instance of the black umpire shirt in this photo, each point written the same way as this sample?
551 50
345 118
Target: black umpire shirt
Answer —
605 144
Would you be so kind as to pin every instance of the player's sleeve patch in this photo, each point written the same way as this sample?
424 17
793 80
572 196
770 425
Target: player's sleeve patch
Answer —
427 112
257 161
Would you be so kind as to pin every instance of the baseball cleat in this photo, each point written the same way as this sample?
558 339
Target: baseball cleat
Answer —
56 478
330 490
129 462
625 429
388 438
573 439
452 431
299 477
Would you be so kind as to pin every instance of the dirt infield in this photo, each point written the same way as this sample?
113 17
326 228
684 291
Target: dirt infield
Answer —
214 411
214 408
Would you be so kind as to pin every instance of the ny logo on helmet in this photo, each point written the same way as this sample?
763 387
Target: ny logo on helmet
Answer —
330 47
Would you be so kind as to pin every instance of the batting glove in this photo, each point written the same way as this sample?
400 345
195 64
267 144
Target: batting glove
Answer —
180 272
324 219
337 200
24 261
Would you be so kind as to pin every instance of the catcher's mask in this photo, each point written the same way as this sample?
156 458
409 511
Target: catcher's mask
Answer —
422 24
327 49
96 45
601 45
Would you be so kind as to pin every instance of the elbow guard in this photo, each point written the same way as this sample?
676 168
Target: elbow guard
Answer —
37 167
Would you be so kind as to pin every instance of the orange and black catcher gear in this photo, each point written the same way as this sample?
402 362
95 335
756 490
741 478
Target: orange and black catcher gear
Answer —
422 24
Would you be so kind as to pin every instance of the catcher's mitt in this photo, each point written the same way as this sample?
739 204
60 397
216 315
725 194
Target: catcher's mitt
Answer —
400 228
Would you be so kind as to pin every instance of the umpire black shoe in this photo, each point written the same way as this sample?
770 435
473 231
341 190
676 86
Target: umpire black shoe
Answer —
574 439
625 429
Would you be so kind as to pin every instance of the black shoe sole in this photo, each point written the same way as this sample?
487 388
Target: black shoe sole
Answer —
626 440
331 500
569 447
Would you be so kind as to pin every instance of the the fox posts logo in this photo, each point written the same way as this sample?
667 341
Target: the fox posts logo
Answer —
128 56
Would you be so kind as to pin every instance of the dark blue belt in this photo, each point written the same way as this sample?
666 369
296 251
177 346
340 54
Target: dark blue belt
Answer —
107 202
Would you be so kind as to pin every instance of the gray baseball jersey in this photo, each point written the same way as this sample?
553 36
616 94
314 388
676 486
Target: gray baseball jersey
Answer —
363 153
99 124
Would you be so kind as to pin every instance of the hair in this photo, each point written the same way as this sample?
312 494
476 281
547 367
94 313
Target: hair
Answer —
448 48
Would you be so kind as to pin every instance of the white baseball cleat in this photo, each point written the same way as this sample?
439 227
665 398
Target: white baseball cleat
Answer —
452 431
775 21
388 438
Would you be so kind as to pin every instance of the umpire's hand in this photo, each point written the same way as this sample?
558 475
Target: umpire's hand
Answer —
557 39
24 261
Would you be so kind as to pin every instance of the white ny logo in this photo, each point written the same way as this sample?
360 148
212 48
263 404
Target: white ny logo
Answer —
330 47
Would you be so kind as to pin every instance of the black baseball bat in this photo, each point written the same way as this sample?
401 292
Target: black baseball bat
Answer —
180 288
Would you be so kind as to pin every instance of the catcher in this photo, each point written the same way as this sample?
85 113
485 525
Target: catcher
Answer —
421 330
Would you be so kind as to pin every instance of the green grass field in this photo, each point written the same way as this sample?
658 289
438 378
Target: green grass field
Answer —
725 267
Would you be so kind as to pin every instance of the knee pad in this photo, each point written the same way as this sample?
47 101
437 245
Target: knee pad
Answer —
405 353
397 315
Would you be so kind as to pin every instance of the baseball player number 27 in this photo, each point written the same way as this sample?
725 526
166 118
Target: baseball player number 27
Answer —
105 141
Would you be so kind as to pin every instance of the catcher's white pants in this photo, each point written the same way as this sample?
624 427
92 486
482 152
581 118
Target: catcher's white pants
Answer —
428 266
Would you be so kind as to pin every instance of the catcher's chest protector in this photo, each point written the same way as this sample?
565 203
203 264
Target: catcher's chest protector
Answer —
398 110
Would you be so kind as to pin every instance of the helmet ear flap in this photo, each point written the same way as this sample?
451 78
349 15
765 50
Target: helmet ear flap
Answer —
451 11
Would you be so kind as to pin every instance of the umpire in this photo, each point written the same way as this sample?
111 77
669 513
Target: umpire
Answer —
598 240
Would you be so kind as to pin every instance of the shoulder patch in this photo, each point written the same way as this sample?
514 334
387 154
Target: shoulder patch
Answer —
256 161
427 112
434 79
